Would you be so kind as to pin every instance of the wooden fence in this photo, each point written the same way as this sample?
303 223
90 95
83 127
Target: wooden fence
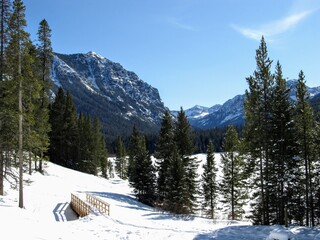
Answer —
80 206
83 208
102 206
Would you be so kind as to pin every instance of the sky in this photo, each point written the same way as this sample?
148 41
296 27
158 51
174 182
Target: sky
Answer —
195 52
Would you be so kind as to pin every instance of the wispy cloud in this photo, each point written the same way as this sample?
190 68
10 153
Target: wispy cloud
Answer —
274 28
179 24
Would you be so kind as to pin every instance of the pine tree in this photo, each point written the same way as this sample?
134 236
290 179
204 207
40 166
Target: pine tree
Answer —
17 50
258 112
4 16
183 140
142 177
175 199
70 134
45 56
284 168
56 119
233 183
86 144
164 151
209 183
99 151
304 124
121 160
133 152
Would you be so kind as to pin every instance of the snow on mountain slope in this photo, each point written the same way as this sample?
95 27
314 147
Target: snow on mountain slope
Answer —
103 88
232 111
47 215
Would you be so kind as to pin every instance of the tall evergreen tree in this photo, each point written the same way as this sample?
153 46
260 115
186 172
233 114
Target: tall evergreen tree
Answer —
133 152
17 50
284 167
4 18
142 177
183 140
164 151
304 124
56 119
99 150
44 57
209 183
86 144
258 112
70 134
233 183
175 199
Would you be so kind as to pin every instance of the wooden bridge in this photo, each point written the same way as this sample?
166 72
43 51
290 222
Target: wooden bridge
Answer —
91 204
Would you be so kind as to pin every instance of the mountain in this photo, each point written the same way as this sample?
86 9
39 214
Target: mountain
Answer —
102 88
232 111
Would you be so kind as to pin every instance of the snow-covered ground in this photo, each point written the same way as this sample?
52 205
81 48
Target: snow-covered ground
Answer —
47 214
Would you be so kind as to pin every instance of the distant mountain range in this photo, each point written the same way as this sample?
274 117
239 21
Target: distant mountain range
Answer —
121 99
231 112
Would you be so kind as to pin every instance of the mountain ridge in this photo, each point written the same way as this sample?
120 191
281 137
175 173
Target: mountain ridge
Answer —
106 89
232 111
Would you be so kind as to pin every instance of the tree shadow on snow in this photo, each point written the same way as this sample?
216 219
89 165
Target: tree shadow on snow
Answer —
236 233
63 212
134 204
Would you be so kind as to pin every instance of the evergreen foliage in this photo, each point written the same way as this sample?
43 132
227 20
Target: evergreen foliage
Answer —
121 160
284 168
304 123
142 171
19 69
209 183
164 155
233 185
5 12
183 139
76 142
43 67
258 112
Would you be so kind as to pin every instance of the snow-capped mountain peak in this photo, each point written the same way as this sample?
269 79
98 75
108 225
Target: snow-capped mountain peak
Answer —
103 88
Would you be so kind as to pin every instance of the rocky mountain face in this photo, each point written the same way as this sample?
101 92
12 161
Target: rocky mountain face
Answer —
232 111
105 89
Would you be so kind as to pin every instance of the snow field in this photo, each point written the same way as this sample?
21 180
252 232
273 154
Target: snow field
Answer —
47 214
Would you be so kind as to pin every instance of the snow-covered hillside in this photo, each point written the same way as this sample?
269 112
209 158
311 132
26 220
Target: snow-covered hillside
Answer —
47 214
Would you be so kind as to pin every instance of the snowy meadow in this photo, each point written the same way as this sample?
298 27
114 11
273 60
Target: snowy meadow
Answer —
47 214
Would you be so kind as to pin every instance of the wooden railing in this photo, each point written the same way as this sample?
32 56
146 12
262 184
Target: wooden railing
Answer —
80 206
83 208
101 205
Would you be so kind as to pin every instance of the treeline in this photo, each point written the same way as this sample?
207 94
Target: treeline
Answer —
76 141
274 163
170 178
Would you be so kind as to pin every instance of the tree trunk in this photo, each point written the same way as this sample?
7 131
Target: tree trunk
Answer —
1 173
40 162
232 188
30 163
20 144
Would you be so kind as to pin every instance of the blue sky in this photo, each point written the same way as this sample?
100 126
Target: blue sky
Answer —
195 52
